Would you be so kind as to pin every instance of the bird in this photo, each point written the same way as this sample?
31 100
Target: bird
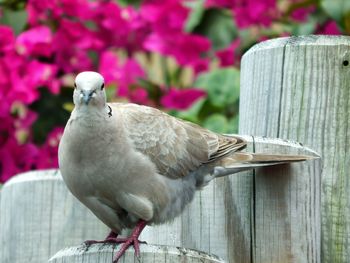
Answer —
134 165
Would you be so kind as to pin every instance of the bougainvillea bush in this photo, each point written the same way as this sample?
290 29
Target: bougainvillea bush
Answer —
180 56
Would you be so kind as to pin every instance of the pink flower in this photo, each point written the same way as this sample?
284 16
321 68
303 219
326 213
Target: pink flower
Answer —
16 158
229 56
42 74
252 12
329 28
165 16
120 27
7 38
301 14
44 10
36 41
123 75
181 99
109 66
17 153
128 74
138 95
47 155
71 44
74 34
219 3
186 48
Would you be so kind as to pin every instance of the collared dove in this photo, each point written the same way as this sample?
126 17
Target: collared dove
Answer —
134 165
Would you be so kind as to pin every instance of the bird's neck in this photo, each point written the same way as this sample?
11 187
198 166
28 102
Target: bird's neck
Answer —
92 112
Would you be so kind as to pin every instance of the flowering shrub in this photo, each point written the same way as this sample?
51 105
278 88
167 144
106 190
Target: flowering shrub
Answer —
181 56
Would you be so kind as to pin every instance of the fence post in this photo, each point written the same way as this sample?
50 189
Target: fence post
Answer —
39 217
103 253
298 88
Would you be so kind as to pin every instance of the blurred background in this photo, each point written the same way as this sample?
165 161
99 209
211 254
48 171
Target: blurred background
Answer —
180 56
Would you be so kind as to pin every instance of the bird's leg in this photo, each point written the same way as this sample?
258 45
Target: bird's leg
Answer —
131 240
111 238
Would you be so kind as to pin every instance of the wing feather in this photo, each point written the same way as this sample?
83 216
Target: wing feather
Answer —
175 146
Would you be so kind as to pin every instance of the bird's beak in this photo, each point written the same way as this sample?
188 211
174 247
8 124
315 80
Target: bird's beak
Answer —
87 95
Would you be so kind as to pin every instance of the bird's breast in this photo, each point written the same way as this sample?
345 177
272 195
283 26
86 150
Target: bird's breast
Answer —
88 159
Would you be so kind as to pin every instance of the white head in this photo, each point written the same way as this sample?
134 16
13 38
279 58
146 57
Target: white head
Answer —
89 89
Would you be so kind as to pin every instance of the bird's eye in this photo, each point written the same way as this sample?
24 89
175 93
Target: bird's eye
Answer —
102 86
75 85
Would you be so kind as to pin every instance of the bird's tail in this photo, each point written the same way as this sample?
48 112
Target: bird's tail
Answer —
241 161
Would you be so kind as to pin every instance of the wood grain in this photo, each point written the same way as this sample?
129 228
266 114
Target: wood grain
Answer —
38 217
298 88
103 253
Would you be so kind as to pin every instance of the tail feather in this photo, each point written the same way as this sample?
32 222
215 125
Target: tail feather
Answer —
241 161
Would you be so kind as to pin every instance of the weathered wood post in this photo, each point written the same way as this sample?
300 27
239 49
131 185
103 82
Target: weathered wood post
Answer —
103 253
38 217
298 88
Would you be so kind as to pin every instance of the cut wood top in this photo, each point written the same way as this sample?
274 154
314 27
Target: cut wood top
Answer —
149 253
316 40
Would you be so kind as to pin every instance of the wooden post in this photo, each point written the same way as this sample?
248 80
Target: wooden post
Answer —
298 88
38 217
103 253
221 219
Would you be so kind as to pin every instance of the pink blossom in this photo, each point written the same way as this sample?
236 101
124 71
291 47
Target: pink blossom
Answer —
109 66
186 48
252 12
120 27
47 155
138 95
123 75
74 34
44 10
128 74
16 158
301 14
7 38
42 74
165 16
219 3
229 56
329 28
36 41
181 99
16 154
71 44
71 60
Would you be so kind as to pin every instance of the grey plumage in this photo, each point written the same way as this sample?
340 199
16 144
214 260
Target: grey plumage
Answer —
128 162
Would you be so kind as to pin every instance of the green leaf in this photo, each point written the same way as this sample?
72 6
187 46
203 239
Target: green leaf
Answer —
222 86
135 3
336 9
50 111
233 125
216 123
192 114
15 19
304 28
195 16
218 26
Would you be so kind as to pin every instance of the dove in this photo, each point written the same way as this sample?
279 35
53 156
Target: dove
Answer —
134 165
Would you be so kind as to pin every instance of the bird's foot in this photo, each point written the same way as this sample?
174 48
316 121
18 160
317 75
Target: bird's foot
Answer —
131 240
111 238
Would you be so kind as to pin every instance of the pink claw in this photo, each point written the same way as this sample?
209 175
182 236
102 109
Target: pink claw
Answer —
111 238
131 240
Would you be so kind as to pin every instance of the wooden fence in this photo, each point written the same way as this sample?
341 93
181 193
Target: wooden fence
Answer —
295 88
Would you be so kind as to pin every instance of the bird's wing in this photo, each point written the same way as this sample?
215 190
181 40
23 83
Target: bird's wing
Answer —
175 146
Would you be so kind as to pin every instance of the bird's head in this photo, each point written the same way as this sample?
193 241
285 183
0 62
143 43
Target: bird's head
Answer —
89 89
